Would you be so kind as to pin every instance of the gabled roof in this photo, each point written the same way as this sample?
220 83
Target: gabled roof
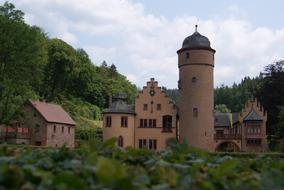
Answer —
52 113
223 119
253 116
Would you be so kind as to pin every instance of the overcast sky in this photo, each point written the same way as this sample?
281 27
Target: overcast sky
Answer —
141 37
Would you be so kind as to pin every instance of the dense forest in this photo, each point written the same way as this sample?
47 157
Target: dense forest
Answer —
35 66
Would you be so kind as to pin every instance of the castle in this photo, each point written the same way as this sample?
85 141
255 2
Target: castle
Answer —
155 118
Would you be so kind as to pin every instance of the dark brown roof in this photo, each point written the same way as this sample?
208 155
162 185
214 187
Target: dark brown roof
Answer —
223 119
52 113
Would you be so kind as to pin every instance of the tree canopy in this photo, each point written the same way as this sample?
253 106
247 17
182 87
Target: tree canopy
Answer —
34 66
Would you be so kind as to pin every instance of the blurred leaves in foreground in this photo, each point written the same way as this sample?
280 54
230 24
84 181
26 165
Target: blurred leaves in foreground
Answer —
97 165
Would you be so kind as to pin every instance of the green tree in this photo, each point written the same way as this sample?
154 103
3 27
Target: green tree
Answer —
22 56
271 93
8 11
222 108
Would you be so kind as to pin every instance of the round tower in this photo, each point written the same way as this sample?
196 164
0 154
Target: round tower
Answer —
196 104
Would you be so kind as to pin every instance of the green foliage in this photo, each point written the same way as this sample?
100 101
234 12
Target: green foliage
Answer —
22 56
33 66
237 95
271 93
97 165
172 93
222 108
8 11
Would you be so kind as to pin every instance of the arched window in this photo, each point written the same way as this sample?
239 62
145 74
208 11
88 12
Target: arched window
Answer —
194 80
120 141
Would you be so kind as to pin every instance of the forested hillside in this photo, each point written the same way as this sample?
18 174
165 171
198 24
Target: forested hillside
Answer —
35 66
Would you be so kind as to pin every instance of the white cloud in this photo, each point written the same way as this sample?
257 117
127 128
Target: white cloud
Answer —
143 45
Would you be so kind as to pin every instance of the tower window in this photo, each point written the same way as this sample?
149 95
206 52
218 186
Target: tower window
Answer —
194 79
195 112
187 55
108 121
124 121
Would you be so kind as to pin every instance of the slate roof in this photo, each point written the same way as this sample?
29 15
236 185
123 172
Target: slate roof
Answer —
52 113
253 116
119 105
223 119
196 40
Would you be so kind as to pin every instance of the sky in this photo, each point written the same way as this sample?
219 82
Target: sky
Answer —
141 37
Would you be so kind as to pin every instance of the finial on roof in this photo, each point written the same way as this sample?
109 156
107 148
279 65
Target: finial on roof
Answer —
196 27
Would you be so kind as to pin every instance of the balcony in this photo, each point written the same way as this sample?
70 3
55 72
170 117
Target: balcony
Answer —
227 136
254 136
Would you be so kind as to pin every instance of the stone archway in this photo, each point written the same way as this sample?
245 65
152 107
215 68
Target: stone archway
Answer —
227 146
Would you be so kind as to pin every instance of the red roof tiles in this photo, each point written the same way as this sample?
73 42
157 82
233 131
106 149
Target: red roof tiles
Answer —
52 113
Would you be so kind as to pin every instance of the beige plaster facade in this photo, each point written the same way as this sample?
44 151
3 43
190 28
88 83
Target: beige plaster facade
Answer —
150 125
115 128
160 110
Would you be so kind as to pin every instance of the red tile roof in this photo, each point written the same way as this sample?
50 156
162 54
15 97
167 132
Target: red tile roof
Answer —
52 113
